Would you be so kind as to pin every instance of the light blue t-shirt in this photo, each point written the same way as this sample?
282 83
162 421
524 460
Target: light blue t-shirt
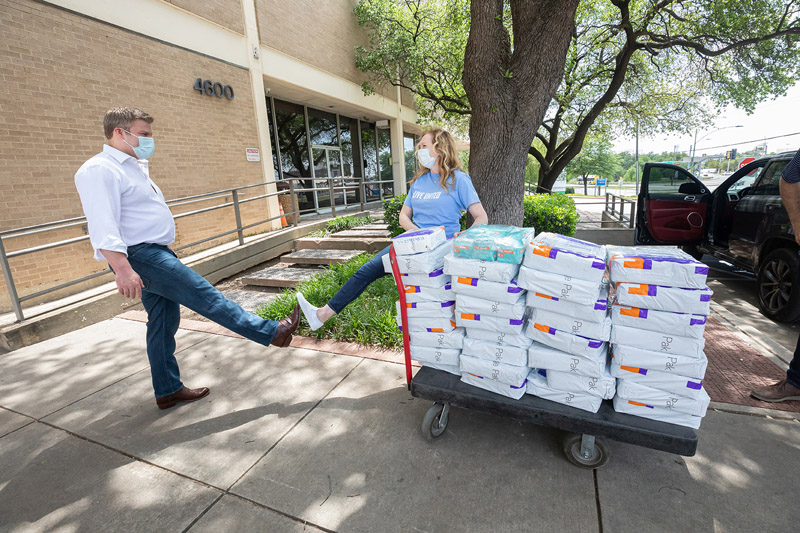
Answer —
433 206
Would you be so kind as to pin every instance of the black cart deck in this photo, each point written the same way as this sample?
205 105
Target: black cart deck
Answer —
445 388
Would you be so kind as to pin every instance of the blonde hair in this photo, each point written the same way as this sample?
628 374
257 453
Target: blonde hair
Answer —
445 146
123 117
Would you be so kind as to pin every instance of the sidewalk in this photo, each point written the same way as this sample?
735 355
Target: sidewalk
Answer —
304 440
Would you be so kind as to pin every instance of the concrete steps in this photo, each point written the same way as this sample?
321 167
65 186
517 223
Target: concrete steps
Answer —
281 276
371 245
360 234
319 256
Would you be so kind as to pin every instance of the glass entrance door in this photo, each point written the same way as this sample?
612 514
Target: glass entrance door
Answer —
327 168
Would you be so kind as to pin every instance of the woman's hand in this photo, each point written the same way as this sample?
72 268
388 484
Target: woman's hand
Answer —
405 218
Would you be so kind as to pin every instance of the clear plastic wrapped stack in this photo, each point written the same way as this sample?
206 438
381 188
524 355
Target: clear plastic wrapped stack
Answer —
435 341
569 322
658 318
490 306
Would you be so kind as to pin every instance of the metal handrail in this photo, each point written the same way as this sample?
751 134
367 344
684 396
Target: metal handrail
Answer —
620 215
236 201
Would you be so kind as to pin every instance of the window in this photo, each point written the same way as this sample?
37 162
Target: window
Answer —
746 181
663 180
409 154
770 180
322 128
385 161
272 136
348 130
291 124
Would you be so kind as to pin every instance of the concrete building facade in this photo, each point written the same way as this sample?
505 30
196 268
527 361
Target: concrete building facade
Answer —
243 92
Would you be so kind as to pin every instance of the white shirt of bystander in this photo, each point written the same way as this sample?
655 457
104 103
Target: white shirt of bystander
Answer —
122 204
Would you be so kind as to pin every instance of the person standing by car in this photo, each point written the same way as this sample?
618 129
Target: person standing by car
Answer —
789 388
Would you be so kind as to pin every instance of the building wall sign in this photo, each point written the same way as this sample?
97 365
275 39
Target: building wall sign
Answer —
213 88
253 154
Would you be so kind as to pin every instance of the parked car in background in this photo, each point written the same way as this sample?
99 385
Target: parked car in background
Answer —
742 221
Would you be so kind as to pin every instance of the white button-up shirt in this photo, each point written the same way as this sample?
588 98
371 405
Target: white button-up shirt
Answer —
122 204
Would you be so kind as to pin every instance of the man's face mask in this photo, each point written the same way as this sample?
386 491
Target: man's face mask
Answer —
146 146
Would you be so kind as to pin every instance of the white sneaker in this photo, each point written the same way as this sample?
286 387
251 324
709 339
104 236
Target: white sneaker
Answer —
310 312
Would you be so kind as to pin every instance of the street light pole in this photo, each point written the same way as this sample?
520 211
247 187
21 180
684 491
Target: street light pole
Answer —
637 156
694 146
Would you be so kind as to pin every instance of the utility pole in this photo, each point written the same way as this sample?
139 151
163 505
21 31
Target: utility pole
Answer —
637 156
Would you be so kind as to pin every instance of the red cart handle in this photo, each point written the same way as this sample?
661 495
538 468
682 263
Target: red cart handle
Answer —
401 291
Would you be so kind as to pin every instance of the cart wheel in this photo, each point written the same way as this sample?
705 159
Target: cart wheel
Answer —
595 456
435 420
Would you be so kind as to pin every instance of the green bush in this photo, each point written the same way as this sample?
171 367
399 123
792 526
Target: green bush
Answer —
551 212
368 320
340 224
391 214
569 190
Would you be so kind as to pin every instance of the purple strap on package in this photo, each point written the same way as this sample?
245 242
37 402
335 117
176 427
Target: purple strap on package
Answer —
694 385
697 321
701 270
513 288
705 297
515 322
542 372
595 344
414 234
600 305
524 383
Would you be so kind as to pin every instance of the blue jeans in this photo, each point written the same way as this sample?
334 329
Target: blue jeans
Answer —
793 374
168 283
372 270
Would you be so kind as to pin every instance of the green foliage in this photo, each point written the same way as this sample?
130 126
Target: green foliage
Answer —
551 212
595 158
569 190
368 320
391 214
341 224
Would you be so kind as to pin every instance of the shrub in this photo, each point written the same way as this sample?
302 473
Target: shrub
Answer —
551 212
391 214
369 320
569 190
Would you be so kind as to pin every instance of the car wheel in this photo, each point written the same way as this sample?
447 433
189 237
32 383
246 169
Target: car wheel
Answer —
779 285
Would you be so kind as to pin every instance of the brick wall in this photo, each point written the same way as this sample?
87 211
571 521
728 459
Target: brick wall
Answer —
227 13
61 72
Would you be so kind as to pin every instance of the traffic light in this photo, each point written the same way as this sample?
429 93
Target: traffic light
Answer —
733 153
730 154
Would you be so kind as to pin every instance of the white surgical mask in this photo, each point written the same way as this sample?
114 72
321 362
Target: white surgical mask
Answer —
425 158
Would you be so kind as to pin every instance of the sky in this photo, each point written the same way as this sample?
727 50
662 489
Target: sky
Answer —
771 118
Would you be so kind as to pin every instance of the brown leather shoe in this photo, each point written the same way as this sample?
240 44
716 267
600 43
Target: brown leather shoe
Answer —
779 392
183 395
286 327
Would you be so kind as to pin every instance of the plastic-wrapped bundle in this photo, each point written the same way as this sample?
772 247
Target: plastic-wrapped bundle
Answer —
491 242
510 391
537 386
681 365
663 298
471 304
452 369
665 343
656 265
416 293
603 386
419 240
494 370
492 351
545 357
659 399
506 325
437 278
566 342
555 253
576 326
488 290
450 339
632 407
421 263
427 309
682 324
433 325
500 338
442 356
680 385
480 269
596 312
563 287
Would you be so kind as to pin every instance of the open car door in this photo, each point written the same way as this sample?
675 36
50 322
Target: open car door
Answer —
672 207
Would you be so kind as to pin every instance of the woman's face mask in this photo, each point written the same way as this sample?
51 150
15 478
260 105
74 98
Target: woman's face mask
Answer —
425 158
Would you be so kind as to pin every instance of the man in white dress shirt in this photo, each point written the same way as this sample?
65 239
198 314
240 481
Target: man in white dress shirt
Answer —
131 227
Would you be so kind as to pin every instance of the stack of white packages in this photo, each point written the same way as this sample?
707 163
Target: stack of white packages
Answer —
569 322
435 341
491 307
658 318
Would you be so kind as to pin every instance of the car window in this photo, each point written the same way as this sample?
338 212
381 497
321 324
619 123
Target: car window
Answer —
667 180
769 182
747 180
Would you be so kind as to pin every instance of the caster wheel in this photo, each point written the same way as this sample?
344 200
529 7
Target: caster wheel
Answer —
435 421
596 457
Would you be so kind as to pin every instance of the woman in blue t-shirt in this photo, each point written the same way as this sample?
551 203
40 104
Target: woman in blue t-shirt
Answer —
436 197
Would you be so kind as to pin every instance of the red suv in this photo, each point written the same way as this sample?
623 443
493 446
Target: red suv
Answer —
742 221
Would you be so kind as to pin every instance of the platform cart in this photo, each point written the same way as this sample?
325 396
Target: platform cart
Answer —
582 445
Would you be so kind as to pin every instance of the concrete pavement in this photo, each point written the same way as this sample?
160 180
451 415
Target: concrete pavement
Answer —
299 440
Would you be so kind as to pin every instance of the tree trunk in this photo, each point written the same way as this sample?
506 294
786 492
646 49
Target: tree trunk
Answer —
585 186
509 93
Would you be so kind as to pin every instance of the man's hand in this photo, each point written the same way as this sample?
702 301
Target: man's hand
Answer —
129 284
790 195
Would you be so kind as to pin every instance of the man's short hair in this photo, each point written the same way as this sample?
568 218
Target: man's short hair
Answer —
123 117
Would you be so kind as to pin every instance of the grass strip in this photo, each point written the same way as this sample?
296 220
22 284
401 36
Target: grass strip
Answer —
341 224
